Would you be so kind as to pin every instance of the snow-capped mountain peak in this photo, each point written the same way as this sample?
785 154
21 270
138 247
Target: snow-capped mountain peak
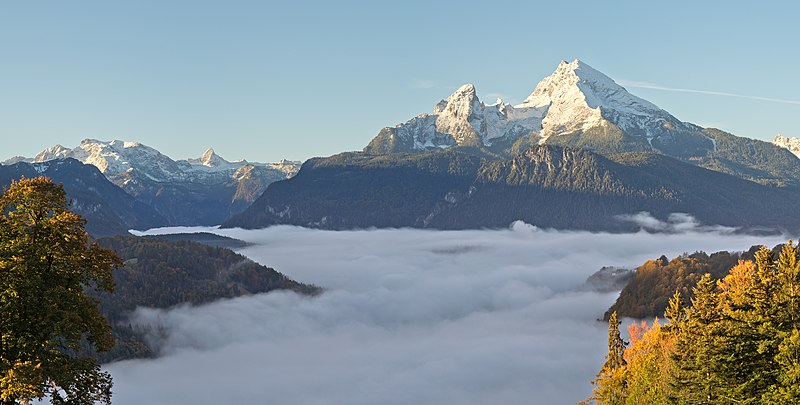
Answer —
578 97
211 159
462 102
51 153
576 81
202 191
129 163
117 156
460 119
575 106
792 144
460 115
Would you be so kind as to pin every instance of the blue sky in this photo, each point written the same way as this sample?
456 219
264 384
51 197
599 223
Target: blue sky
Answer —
270 80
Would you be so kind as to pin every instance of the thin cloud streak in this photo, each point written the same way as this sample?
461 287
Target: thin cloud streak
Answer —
424 84
652 86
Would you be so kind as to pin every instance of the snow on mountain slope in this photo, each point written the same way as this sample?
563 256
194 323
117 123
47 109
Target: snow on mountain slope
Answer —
139 169
578 97
201 191
461 119
125 161
209 161
792 144
287 167
117 157
579 84
585 106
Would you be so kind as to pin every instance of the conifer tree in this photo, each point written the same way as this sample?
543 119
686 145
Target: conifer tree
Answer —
788 269
785 342
737 343
610 384
675 312
696 361
616 346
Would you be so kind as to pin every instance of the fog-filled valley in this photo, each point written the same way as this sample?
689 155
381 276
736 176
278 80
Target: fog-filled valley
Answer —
408 316
399 203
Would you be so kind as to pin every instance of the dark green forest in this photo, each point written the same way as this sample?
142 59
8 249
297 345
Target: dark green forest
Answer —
548 186
160 273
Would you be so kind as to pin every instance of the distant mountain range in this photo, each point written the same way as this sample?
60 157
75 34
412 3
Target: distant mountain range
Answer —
580 152
108 208
202 191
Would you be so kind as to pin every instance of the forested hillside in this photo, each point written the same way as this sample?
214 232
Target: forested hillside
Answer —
548 186
160 274
647 293
354 190
751 159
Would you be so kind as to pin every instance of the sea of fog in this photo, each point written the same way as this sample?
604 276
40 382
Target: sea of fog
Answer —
409 317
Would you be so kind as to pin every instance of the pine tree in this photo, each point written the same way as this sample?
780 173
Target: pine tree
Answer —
610 384
785 342
695 376
788 278
786 390
762 320
616 346
738 342
675 312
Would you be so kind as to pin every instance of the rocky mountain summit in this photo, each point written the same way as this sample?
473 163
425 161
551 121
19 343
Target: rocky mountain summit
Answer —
579 107
790 144
576 106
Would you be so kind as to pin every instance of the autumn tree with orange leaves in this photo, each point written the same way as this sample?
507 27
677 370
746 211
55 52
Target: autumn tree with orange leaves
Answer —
737 343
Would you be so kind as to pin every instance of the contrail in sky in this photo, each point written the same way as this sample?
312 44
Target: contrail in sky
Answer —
651 86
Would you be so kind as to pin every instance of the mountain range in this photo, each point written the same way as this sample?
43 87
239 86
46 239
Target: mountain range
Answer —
576 106
108 208
202 191
580 107
580 152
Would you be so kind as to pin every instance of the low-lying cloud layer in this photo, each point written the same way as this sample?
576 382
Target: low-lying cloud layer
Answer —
410 317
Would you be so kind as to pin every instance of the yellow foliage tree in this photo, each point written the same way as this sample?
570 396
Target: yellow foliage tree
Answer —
46 264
